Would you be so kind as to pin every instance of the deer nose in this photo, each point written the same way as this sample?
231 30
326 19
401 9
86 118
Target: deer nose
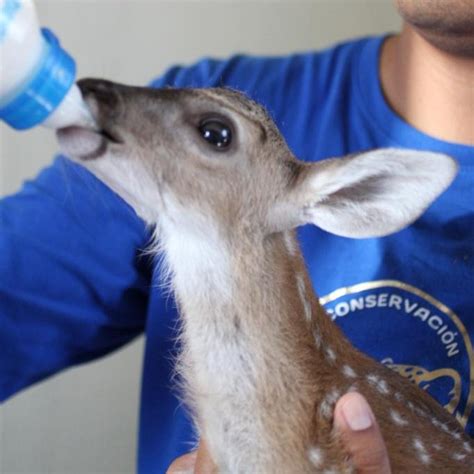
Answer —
104 92
103 100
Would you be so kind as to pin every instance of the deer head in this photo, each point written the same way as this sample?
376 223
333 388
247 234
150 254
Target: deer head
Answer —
215 154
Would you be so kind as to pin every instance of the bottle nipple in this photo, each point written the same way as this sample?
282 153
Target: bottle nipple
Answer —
71 111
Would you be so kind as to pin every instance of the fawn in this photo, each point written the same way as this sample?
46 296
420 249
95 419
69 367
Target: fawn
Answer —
262 363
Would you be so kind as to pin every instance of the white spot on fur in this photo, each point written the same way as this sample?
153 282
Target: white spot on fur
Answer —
317 338
421 412
437 447
398 397
436 422
348 371
325 410
326 406
444 427
333 396
459 456
304 300
456 435
331 355
397 418
382 387
316 456
425 458
373 379
423 455
380 384
467 447
418 444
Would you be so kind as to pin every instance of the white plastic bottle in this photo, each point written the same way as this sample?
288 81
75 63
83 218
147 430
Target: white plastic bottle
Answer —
36 75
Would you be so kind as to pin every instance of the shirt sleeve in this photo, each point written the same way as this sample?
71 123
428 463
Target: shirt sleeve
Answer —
74 282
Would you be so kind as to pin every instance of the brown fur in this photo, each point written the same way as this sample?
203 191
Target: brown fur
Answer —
289 374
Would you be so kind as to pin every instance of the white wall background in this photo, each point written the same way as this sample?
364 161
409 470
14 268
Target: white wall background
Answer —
85 419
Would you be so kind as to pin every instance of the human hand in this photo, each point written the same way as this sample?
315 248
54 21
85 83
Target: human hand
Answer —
353 420
360 433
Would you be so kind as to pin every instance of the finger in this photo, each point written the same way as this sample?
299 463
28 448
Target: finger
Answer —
360 433
184 464
204 463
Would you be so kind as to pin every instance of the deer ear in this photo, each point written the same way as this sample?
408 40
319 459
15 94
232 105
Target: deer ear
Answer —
370 194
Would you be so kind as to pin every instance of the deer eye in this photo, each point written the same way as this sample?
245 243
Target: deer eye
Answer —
216 132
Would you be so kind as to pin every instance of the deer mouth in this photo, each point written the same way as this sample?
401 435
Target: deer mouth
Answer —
85 143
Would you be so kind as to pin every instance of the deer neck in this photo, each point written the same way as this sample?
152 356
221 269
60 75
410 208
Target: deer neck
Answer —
248 295
250 289
252 332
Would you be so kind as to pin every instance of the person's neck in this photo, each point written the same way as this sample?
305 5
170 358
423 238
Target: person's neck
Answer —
430 89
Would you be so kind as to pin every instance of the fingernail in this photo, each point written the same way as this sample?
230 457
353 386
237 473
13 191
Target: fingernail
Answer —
358 414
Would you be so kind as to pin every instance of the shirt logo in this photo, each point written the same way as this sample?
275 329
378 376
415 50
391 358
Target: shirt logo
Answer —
414 334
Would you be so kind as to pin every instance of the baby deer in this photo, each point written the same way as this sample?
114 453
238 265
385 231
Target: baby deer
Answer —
262 363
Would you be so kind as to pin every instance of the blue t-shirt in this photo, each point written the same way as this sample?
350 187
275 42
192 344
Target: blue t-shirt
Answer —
74 284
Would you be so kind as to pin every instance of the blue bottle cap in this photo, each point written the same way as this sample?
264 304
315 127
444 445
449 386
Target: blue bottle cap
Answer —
45 90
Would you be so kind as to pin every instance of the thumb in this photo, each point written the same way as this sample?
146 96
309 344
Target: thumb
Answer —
204 463
197 462
184 464
360 434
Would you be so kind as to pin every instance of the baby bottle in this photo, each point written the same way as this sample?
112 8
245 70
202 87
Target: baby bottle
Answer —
36 75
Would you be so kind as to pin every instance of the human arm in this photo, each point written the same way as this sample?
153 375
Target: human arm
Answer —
72 284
